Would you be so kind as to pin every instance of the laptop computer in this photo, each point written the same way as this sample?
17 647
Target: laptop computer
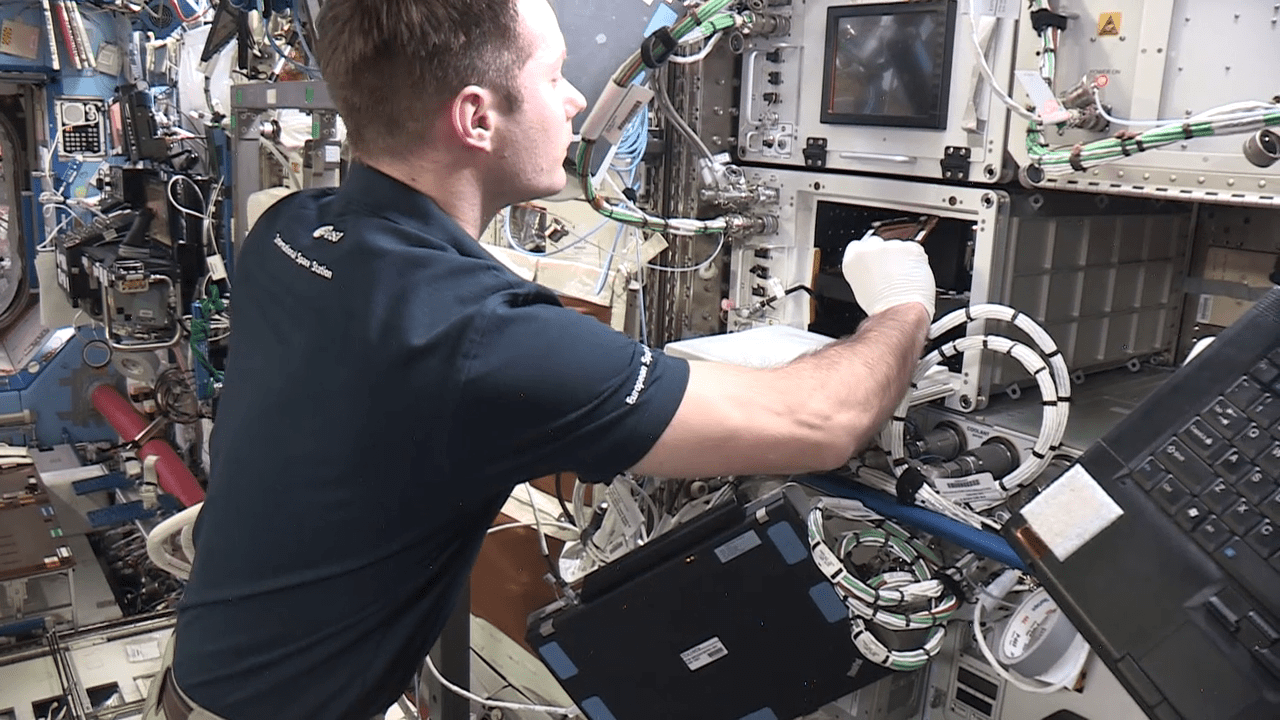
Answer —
724 618
1162 544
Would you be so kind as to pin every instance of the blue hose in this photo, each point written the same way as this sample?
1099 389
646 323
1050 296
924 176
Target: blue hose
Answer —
986 544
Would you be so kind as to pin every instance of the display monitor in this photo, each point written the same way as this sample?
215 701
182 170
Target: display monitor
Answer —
889 64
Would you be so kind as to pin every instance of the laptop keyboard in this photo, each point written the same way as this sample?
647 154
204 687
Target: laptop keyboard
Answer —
1219 478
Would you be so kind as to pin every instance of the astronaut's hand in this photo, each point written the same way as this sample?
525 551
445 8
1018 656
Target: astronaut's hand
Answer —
884 273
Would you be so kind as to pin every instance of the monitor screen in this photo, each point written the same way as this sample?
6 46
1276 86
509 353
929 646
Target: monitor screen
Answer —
889 64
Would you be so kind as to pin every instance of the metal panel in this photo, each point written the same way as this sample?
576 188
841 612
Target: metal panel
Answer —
1103 276
777 130
1235 260
792 255
602 34
1171 59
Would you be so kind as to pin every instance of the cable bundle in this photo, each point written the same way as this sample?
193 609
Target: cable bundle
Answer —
1046 367
884 599
1233 119
1226 120
704 21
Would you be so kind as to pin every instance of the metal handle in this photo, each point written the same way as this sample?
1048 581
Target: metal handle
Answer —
878 157
749 67
749 63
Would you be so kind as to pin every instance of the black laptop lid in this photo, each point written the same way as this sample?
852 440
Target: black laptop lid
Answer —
738 625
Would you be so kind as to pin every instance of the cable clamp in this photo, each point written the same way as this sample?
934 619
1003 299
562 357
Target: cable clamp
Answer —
952 584
1077 163
909 484
1043 19
651 59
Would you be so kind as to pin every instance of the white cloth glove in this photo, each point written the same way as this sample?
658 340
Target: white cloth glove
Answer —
884 273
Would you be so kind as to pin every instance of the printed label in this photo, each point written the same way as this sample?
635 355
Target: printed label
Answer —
142 651
998 8
628 514
292 253
971 488
1109 24
1204 309
1027 627
827 561
704 654
737 546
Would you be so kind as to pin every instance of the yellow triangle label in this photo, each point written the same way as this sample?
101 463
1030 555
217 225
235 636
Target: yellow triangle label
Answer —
1109 24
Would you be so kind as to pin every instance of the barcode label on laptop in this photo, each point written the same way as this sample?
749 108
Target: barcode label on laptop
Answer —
704 654
737 546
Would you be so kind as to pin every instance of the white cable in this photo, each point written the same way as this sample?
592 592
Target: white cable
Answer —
986 68
187 541
179 206
927 498
1054 417
546 523
887 599
537 521
580 504
1052 377
699 56
160 535
1237 110
548 709
694 268
1008 676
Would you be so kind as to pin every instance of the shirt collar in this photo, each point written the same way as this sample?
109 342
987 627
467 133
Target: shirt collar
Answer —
383 195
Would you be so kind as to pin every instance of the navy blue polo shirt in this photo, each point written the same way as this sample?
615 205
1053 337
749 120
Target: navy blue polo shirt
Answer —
388 384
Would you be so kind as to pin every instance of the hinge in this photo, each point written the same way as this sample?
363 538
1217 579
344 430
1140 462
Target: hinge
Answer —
955 163
815 152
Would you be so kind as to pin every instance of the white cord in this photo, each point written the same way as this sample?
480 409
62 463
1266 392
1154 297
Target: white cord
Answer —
1235 111
548 709
1052 377
986 68
699 56
204 205
537 521
548 523
1009 677
159 537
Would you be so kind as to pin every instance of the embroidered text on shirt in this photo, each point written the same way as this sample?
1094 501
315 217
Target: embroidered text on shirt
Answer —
306 262
643 375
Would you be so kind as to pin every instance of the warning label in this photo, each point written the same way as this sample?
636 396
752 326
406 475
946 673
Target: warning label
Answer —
1109 23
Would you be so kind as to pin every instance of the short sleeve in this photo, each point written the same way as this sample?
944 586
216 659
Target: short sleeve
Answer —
546 389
